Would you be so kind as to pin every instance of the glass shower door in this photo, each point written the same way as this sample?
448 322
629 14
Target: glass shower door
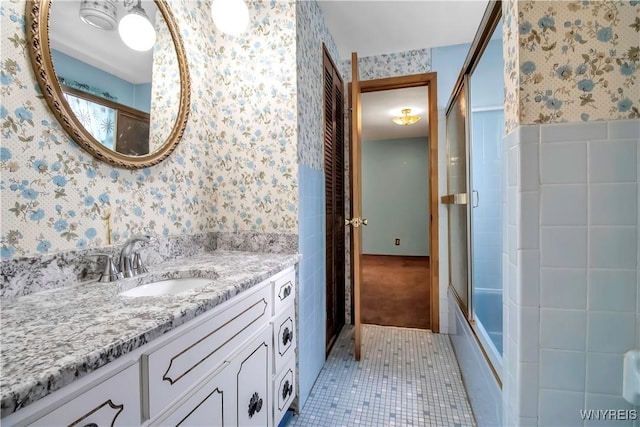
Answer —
486 219
456 198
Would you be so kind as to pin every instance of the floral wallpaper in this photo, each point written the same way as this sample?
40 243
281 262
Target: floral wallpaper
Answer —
578 61
165 86
389 65
235 169
311 34
510 53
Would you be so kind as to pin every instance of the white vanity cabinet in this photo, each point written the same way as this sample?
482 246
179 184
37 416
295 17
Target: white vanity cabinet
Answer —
237 394
114 402
179 364
284 343
232 366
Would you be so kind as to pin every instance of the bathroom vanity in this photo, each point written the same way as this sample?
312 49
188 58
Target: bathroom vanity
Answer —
222 354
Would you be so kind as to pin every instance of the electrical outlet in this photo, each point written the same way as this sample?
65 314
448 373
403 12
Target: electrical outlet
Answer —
397 242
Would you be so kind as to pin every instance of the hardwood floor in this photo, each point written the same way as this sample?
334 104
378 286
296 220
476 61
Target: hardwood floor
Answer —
395 291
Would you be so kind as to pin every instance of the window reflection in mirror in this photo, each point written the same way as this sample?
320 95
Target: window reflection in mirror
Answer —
116 126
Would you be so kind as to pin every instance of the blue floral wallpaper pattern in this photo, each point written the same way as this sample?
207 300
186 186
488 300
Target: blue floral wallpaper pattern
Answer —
578 61
235 169
165 87
389 65
311 34
510 53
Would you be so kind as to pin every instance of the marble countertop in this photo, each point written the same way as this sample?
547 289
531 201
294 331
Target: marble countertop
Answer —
53 337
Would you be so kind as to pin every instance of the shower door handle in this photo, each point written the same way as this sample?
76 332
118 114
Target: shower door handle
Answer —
477 203
454 199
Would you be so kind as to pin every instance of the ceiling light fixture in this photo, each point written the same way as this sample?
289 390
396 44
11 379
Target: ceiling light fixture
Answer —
99 14
230 16
136 30
406 119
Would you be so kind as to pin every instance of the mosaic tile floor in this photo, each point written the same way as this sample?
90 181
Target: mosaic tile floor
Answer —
407 377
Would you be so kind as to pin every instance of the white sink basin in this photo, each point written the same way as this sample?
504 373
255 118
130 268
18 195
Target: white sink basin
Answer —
166 287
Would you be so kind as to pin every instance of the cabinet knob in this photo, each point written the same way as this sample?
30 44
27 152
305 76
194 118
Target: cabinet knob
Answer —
287 390
287 336
255 404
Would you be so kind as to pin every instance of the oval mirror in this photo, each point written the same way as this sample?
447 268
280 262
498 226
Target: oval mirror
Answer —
126 107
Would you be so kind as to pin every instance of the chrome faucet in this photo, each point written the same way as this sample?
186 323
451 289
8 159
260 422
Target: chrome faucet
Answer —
130 262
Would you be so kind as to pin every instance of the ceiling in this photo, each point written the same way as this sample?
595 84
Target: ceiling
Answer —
102 49
375 27
379 107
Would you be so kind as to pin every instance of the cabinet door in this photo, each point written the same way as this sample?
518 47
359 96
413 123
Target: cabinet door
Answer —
115 402
181 364
253 382
210 405
284 389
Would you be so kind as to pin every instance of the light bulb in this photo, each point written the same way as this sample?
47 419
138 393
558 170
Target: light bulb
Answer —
230 16
136 31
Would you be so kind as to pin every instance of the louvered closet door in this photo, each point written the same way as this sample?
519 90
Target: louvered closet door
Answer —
334 197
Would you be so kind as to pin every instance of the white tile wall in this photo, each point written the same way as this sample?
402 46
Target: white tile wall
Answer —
563 163
563 205
564 288
563 370
613 161
563 329
613 204
574 191
613 290
560 408
613 247
529 285
529 214
610 332
563 247
604 373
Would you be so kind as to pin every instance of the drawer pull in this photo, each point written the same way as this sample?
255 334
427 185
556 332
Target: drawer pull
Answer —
285 291
287 390
287 336
255 405
91 425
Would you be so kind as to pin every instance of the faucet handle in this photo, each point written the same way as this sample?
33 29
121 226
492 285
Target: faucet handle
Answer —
110 272
137 265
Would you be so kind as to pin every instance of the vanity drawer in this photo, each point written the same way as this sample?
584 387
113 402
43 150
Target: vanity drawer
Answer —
284 335
173 369
284 289
284 389
114 402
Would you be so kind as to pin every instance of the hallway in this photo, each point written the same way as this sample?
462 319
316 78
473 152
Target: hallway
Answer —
405 377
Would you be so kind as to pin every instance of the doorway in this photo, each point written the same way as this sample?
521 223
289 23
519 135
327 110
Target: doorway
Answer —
395 200
356 89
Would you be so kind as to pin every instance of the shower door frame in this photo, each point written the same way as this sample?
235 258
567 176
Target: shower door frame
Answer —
487 26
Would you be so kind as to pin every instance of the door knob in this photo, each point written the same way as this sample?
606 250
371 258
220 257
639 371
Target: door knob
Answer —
356 222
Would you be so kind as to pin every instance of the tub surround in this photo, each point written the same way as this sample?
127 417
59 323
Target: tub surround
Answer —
60 335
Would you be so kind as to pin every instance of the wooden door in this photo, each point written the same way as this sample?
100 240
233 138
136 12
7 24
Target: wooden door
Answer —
356 191
334 198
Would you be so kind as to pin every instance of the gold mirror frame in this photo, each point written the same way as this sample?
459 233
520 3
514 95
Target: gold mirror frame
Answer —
37 26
